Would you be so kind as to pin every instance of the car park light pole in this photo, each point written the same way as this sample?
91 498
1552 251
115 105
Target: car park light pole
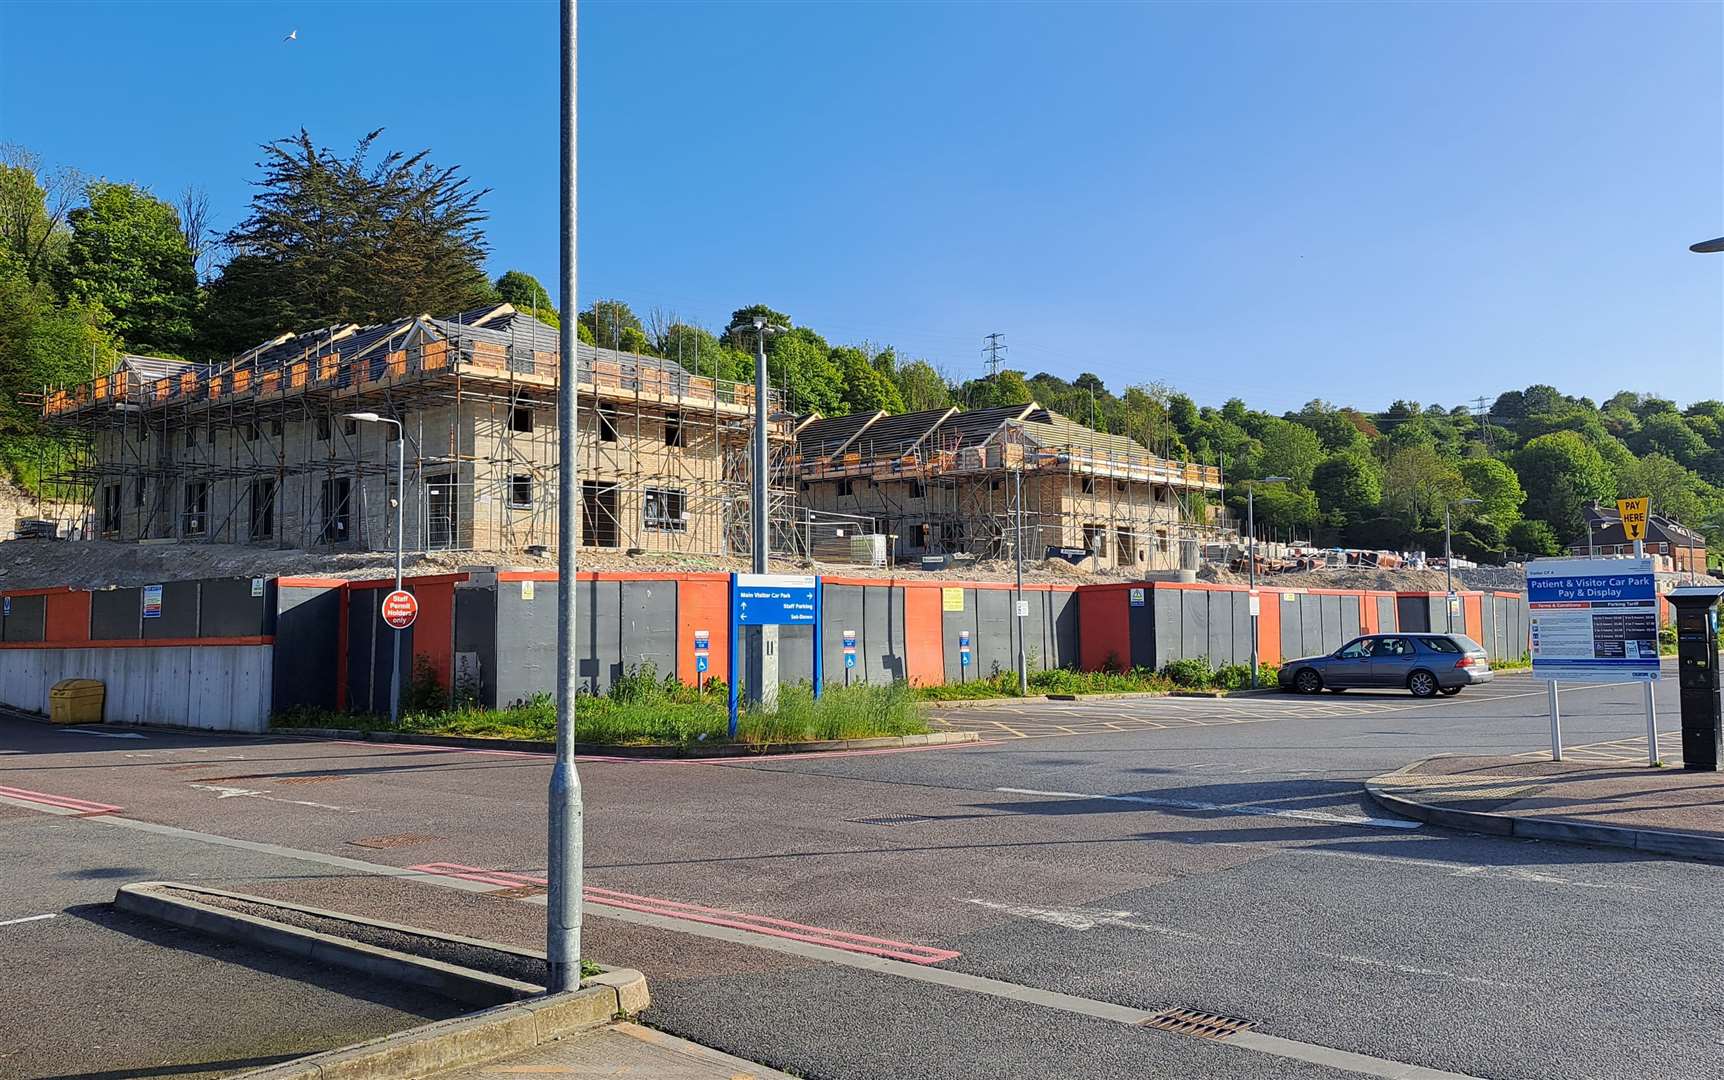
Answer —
564 853
400 542
1449 559
1251 558
762 640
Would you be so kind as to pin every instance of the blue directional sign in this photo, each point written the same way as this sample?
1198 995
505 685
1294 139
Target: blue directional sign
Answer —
768 599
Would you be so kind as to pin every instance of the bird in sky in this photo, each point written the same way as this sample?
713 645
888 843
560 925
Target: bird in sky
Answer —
292 36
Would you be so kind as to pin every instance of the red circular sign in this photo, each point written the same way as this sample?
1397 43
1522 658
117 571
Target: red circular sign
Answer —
400 608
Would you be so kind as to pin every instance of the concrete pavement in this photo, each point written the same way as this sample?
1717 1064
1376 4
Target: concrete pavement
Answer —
1228 863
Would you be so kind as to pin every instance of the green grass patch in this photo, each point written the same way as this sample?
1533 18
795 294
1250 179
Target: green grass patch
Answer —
1004 684
642 709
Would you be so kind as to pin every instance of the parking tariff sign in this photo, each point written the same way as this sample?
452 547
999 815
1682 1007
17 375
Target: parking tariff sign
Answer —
1593 620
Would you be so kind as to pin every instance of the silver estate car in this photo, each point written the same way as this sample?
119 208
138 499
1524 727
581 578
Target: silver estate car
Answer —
1426 664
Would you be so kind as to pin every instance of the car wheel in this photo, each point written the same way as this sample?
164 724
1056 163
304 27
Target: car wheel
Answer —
1422 684
1308 682
1451 691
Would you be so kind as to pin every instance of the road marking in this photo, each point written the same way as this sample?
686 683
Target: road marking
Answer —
1248 809
103 734
28 918
1512 873
999 988
1082 919
247 793
35 800
676 909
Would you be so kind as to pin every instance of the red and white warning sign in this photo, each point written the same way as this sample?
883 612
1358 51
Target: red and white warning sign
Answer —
400 608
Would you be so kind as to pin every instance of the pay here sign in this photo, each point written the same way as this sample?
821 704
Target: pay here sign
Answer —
1593 620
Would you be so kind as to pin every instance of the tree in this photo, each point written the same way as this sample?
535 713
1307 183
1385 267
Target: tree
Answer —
746 316
1348 487
800 362
1006 388
1667 433
1290 450
342 239
1561 474
1530 536
703 354
34 204
1670 489
1335 427
41 344
1497 488
1418 483
921 387
521 289
127 253
193 208
614 325
866 389
1279 506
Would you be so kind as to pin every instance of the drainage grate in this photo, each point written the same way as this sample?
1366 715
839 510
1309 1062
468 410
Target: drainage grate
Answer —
394 840
1200 1025
891 819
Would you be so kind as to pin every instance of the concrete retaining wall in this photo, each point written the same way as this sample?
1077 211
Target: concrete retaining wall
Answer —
220 687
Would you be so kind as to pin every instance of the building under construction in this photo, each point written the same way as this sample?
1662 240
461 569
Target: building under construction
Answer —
946 481
260 449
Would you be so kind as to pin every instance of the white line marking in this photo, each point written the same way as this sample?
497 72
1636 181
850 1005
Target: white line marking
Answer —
103 734
1512 873
247 793
28 918
999 988
1248 809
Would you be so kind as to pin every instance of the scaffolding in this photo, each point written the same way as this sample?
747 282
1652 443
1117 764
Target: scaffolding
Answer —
260 449
945 483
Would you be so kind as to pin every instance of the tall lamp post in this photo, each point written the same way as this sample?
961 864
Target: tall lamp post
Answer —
1705 247
1449 559
1251 558
566 834
762 640
400 542
1018 610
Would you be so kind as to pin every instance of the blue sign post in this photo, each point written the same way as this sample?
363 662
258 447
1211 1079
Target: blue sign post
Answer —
768 600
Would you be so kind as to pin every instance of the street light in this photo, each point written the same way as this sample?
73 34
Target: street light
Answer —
1251 557
1708 247
1019 612
762 640
400 542
1449 559
566 811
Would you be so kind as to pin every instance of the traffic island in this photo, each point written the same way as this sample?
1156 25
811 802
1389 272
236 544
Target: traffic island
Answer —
1666 811
519 1018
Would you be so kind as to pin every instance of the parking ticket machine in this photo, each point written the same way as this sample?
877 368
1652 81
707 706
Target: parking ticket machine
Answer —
1697 674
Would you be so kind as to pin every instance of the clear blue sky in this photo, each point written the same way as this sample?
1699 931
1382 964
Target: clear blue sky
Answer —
1351 201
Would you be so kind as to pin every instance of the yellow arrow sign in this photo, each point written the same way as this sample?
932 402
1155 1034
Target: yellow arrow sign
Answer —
1633 513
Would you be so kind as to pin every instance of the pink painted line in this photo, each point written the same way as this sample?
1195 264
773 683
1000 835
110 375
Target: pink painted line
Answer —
64 802
735 920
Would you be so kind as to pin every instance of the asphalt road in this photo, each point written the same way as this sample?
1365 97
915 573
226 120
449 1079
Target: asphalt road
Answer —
1210 855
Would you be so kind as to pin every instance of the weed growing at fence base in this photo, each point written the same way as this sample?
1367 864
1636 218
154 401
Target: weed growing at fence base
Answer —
642 709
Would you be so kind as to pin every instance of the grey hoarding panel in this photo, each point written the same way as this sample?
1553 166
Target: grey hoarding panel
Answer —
1064 606
116 614
1311 625
1219 648
228 608
952 625
526 641
27 620
1351 625
307 645
1292 639
1386 614
646 620
1166 608
995 645
1034 628
1193 625
795 655
476 633
875 614
1413 614
1242 625
179 617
